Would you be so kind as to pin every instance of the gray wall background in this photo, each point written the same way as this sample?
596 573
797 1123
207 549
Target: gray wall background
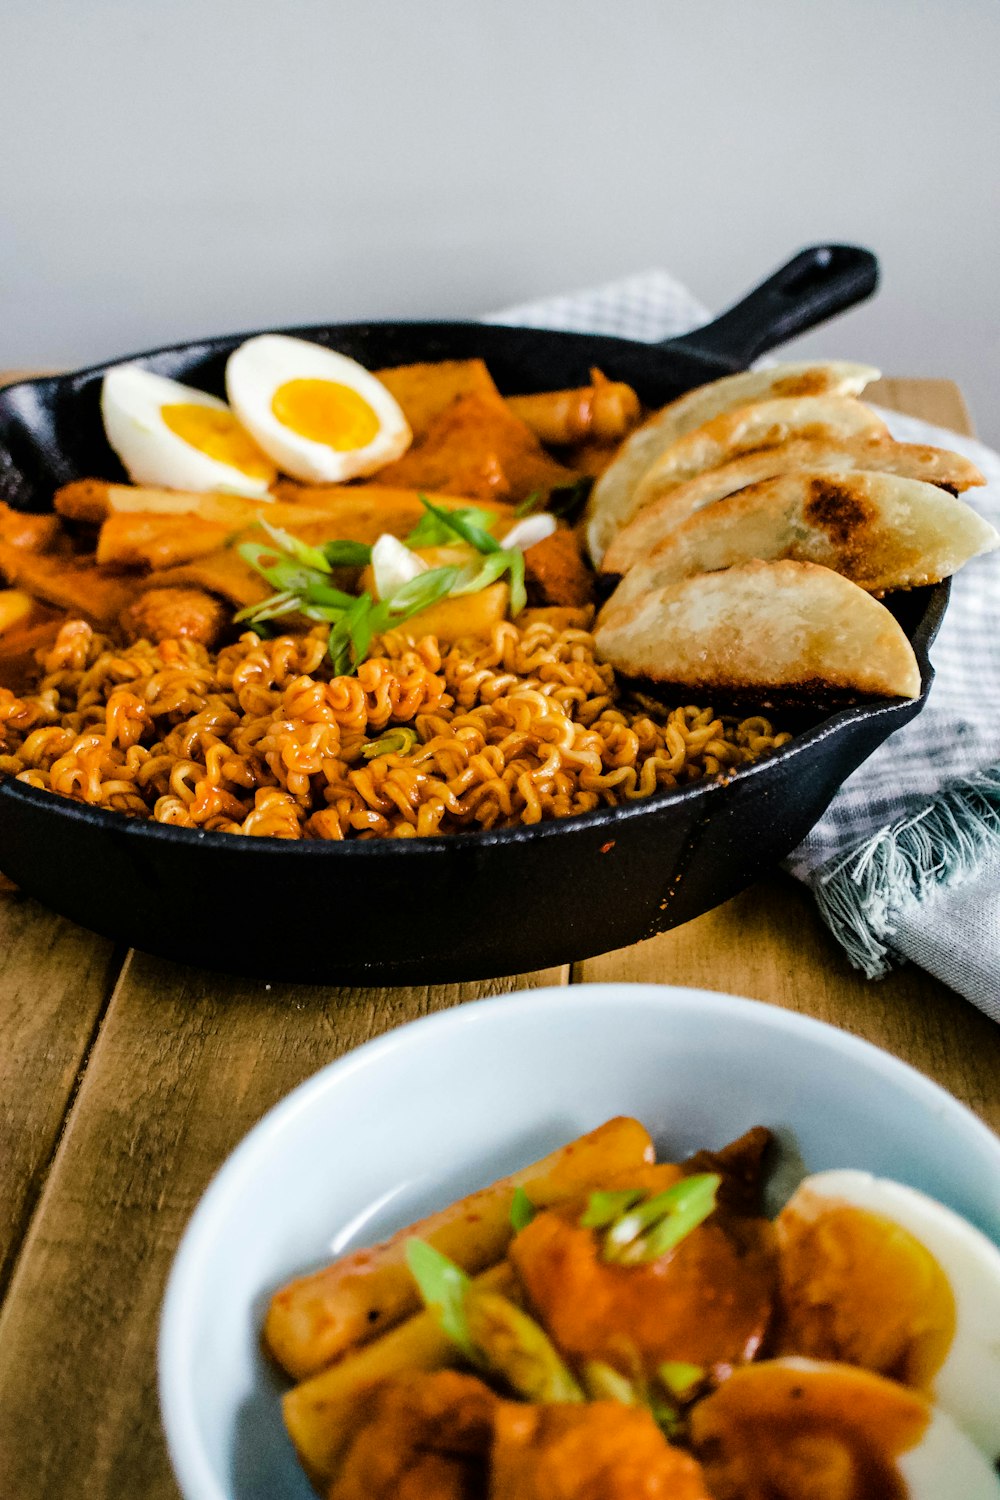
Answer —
201 165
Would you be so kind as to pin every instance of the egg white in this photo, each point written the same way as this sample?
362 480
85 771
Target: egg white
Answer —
967 1386
256 370
945 1462
132 402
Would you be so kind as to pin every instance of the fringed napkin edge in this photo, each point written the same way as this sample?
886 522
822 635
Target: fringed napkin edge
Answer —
863 895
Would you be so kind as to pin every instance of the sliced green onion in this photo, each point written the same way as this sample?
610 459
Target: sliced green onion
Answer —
653 1228
443 1286
312 557
604 1208
321 592
476 577
522 1210
680 1379
494 566
602 1383
329 614
299 574
269 609
516 1347
345 632
398 741
282 573
347 554
423 591
361 628
436 526
529 504
518 593
463 523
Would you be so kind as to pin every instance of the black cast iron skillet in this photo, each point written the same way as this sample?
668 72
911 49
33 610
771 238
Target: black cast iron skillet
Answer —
469 905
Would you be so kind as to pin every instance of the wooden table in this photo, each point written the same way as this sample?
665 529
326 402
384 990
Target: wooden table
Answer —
125 1080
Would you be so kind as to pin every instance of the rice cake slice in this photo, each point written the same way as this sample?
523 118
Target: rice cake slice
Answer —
611 496
910 460
790 629
879 530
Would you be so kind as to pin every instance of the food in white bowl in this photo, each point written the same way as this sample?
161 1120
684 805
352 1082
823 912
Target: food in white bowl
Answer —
602 1323
878 1275
410 1122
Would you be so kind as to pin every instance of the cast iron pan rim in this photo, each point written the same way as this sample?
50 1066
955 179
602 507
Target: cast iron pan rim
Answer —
214 344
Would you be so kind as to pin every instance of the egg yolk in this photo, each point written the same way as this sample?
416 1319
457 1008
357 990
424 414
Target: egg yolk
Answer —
324 411
857 1287
218 435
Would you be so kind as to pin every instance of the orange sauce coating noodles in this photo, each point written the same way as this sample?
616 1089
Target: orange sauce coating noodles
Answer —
258 738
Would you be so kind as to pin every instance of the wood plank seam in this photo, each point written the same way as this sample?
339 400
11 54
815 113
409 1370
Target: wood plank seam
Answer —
21 1228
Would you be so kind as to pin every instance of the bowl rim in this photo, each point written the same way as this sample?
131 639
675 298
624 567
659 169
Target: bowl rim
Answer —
179 1414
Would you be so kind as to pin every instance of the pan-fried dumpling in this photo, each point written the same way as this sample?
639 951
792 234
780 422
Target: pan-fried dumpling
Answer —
880 531
613 490
793 630
765 424
911 460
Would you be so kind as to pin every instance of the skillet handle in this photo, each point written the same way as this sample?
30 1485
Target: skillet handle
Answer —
818 283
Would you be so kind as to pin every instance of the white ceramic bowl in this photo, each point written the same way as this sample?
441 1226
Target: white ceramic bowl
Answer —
411 1121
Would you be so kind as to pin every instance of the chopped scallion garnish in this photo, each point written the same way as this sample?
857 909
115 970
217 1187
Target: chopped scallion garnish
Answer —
511 1343
467 524
603 1383
300 575
311 557
604 1208
347 554
680 1379
443 1286
529 504
398 741
647 1228
522 1210
436 526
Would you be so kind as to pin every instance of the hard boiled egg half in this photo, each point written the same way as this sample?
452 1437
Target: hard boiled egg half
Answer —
172 436
319 415
786 1429
881 1276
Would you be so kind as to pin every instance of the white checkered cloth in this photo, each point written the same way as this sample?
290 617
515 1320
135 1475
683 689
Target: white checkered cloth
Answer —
905 863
